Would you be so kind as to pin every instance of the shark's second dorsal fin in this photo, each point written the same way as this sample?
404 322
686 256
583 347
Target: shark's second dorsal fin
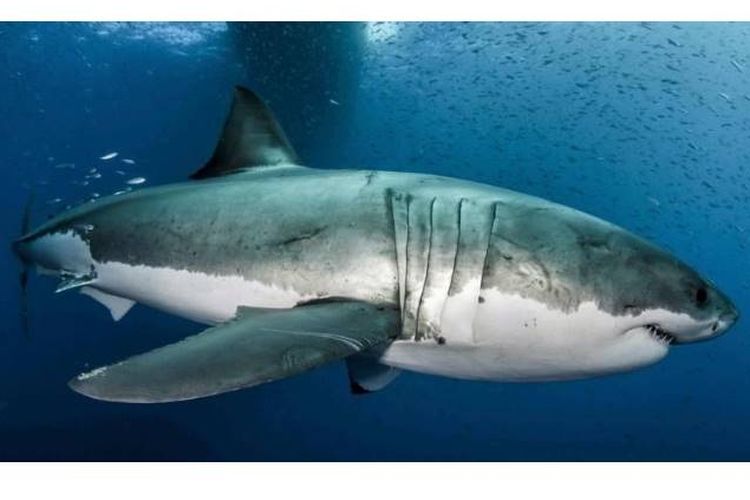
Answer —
252 137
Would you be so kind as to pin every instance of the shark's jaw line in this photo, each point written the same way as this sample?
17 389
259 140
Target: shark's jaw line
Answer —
660 334
517 339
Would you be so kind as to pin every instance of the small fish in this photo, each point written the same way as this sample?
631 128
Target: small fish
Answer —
54 201
92 170
334 102
725 97
65 165
135 181
109 156
94 176
95 195
737 65
128 161
119 172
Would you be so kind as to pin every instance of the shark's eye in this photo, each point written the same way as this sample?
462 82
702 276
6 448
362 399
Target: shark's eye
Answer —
701 296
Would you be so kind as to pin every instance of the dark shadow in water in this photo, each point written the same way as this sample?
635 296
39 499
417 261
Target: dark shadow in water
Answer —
111 439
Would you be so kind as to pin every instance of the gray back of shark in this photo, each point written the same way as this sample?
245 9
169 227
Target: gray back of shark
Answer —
295 267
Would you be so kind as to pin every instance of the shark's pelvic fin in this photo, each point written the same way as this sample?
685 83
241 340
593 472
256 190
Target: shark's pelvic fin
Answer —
367 375
71 281
252 137
249 350
118 306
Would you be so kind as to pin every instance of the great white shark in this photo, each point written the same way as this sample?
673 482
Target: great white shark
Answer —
293 267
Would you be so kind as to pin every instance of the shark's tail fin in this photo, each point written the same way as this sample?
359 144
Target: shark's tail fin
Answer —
25 265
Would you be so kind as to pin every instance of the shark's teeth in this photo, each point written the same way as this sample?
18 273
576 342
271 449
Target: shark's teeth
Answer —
659 334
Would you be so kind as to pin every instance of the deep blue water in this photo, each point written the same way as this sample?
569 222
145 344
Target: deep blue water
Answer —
642 124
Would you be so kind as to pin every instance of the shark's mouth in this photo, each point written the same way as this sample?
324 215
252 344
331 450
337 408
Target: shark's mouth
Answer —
660 334
655 332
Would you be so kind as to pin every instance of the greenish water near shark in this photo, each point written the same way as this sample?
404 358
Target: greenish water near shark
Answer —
641 124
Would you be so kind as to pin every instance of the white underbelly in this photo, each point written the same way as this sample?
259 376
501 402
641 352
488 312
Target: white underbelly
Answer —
517 339
519 363
197 296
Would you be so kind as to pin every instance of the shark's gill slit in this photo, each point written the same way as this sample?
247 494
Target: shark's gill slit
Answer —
421 328
452 286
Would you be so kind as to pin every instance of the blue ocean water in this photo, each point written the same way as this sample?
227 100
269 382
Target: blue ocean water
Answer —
642 124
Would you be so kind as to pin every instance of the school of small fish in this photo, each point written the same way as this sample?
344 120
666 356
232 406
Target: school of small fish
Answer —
94 173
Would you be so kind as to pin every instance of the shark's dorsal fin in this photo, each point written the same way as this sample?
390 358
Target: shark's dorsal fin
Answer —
251 137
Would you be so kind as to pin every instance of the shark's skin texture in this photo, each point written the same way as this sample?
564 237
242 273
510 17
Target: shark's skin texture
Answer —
488 283
409 240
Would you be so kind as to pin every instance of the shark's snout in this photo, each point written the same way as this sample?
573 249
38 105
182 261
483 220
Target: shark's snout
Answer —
725 316
727 319
726 312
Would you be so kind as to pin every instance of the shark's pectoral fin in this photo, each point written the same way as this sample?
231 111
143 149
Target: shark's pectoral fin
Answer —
367 375
247 351
118 306
251 137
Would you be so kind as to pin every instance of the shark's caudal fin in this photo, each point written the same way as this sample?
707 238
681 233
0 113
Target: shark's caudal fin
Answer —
252 137
252 349
24 275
